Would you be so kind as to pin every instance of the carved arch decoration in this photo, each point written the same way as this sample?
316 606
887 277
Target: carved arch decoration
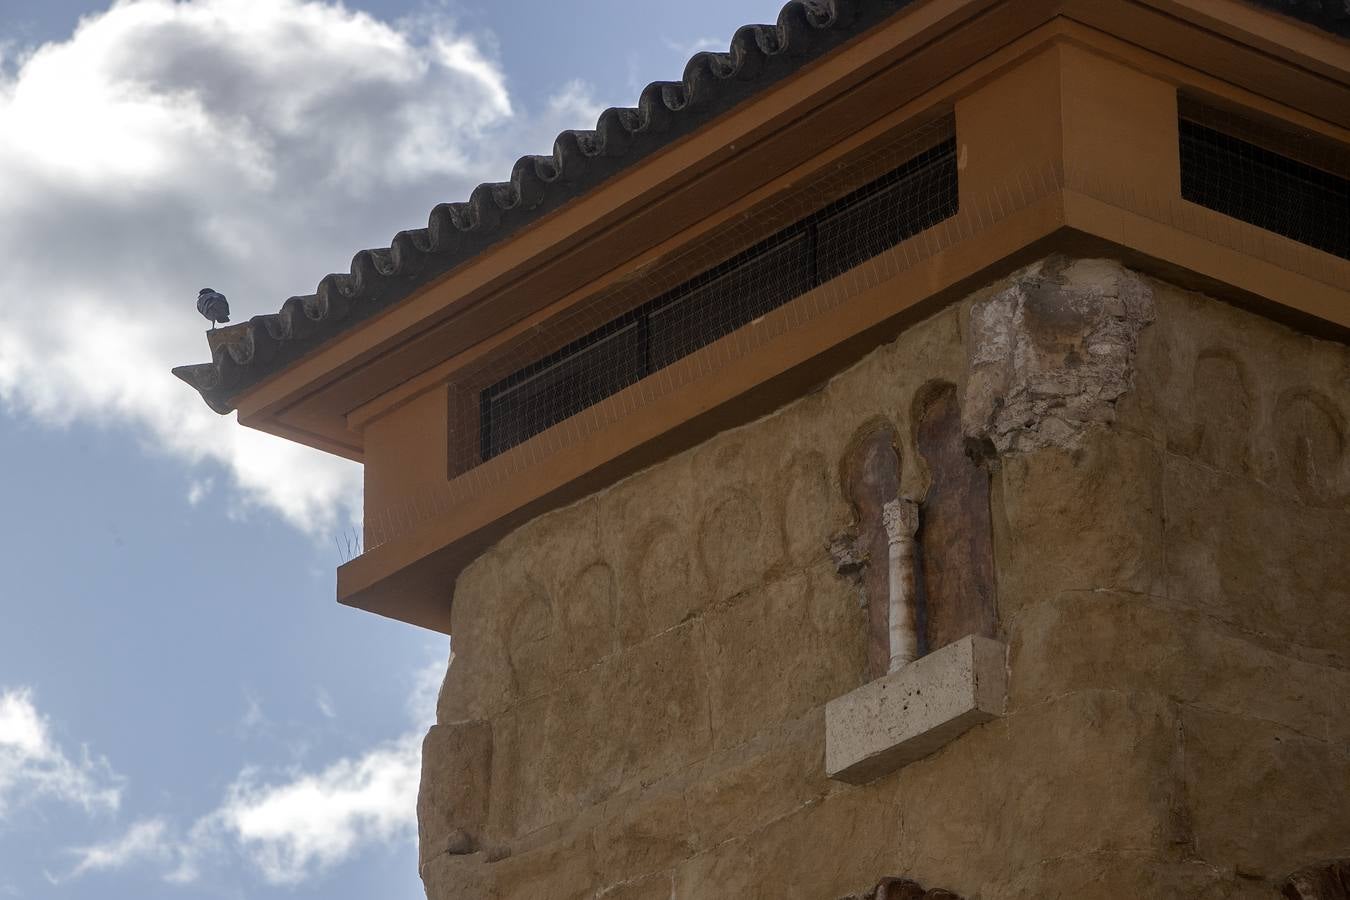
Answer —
870 478
1222 410
1311 435
955 528
952 573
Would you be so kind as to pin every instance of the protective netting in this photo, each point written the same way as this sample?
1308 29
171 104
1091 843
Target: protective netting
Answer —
801 257
780 263
1294 184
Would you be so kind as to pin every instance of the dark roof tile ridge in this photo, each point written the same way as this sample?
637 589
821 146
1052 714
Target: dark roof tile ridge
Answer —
713 82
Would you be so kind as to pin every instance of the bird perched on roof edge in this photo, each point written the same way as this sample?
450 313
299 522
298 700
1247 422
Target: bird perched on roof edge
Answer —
213 305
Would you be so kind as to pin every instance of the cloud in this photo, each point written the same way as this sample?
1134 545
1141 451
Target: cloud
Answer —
295 829
144 841
426 691
199 490
686 49
288 829
253 719
33 766
291 825
247 145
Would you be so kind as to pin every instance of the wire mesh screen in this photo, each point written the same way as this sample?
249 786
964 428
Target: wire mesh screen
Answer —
1288 183
712 304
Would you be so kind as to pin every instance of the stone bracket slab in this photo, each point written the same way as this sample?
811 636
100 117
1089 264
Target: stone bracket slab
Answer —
910 713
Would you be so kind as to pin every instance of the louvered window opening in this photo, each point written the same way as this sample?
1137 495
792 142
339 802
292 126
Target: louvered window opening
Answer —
917 195
1280 193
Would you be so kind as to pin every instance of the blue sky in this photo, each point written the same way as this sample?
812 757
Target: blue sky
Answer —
184 709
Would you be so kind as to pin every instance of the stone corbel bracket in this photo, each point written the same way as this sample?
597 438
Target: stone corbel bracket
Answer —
916 710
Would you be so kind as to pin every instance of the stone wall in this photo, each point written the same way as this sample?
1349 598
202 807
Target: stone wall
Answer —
634 707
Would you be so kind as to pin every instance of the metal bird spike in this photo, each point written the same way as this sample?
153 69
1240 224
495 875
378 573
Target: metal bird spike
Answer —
213 305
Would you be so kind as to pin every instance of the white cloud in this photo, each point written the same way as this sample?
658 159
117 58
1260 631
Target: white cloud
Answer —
253 719
248 145
288 828
300 827
291 825
144 841
199 490
33 766
293 828
426 692
686 49
574 102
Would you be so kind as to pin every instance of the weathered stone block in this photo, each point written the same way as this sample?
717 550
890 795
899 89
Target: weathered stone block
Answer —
649 538
909 714
781 651
1253 557
476 685
655 710
1095 640
448 877
529 631
1086 773
587 611
811 507
550 549
827 849
1219 430
453 794
735 791
526 784
1125 642
1263 798
1240 393
1130 874
654 887
643 831
634 718
1084 520
560 870
738 542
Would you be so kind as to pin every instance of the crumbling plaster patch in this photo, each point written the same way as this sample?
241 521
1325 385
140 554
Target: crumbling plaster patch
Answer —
1051 353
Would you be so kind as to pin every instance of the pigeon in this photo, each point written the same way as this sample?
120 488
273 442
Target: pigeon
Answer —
213 305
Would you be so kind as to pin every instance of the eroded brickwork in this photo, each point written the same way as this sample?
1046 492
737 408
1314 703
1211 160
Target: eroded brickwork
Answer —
634 709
